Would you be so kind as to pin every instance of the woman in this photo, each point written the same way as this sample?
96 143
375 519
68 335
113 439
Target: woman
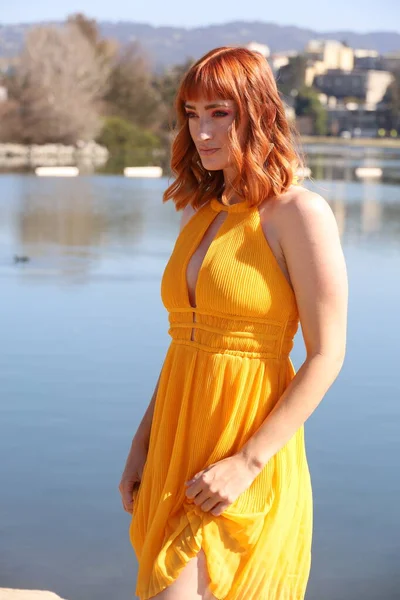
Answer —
224 506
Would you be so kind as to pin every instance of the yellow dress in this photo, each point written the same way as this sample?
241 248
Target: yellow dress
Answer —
226 367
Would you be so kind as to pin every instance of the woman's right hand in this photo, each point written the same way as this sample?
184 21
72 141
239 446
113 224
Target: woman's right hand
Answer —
132 475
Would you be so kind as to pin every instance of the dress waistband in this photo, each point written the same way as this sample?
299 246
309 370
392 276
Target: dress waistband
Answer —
238 335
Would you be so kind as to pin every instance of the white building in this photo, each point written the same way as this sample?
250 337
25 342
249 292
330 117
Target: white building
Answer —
261 48
368 87
391 61
332 53
280 59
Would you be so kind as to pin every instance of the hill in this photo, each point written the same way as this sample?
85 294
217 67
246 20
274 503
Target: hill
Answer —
166 46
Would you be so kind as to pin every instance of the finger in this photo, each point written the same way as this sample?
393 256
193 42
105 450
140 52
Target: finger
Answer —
129 493
127 501
201 498
219 508
130 497
209 504
194 489
194 478
127 508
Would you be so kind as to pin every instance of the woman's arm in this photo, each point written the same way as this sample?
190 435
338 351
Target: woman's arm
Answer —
310 242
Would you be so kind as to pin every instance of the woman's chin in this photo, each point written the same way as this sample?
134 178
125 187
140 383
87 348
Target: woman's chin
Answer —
211 165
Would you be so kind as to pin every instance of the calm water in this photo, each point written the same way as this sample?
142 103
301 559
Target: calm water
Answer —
84 334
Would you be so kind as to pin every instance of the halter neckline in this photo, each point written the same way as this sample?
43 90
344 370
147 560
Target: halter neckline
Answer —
238 207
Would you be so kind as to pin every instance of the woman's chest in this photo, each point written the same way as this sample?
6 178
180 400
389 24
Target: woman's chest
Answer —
232 262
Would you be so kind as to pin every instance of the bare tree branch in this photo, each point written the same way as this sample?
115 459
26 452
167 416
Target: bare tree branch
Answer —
60 82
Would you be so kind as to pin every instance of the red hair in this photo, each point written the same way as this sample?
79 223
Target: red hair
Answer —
245 77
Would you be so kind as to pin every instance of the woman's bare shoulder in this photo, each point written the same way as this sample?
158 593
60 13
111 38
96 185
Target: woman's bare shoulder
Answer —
308 234
187 214
299 207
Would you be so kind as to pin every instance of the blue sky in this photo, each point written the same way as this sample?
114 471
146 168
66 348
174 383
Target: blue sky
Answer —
355 15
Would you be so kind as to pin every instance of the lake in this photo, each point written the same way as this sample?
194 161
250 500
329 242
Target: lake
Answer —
84 335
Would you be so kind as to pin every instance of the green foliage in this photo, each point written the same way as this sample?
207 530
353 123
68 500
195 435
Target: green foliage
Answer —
292 76
308 103
131 95
128 144
167 86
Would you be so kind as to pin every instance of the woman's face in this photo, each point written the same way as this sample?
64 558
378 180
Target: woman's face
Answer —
209 125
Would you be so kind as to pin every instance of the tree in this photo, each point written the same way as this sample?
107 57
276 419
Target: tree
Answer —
128 144
292 76
167 86
308 103
59 83
105 49
10 123
131 95
391 103
89 30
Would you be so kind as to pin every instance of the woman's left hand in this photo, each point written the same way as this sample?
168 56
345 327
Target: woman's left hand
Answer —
219 485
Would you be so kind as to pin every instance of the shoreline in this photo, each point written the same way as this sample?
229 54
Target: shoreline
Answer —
17 594
88 156
91 157
330 140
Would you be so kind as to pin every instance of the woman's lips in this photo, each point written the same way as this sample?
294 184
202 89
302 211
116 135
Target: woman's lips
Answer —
207 152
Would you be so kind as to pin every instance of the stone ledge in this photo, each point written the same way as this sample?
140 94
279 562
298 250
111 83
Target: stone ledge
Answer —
12 594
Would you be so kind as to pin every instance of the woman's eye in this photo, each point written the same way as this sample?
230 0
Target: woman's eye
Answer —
219 113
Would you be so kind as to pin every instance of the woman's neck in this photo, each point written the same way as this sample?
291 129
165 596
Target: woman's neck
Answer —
235 199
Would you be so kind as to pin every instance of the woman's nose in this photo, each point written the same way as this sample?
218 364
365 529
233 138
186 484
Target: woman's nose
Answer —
204 128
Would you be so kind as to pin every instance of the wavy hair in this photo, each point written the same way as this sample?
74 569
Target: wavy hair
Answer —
268 163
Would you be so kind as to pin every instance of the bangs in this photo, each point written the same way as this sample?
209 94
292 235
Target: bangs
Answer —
210 81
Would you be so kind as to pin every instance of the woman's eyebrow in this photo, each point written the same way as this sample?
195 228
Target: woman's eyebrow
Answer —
208 106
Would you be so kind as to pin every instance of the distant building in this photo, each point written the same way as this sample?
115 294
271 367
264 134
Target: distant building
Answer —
370 63
346 117
261 48
331 53
368 60
368 87
391 60
351 84
365 52
312 70
323 55
278 61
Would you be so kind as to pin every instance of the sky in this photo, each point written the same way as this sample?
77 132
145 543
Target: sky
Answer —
318 15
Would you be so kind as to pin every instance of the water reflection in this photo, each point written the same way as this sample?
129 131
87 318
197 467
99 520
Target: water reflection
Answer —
340 162
85 334
369 213
111 226
80 226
